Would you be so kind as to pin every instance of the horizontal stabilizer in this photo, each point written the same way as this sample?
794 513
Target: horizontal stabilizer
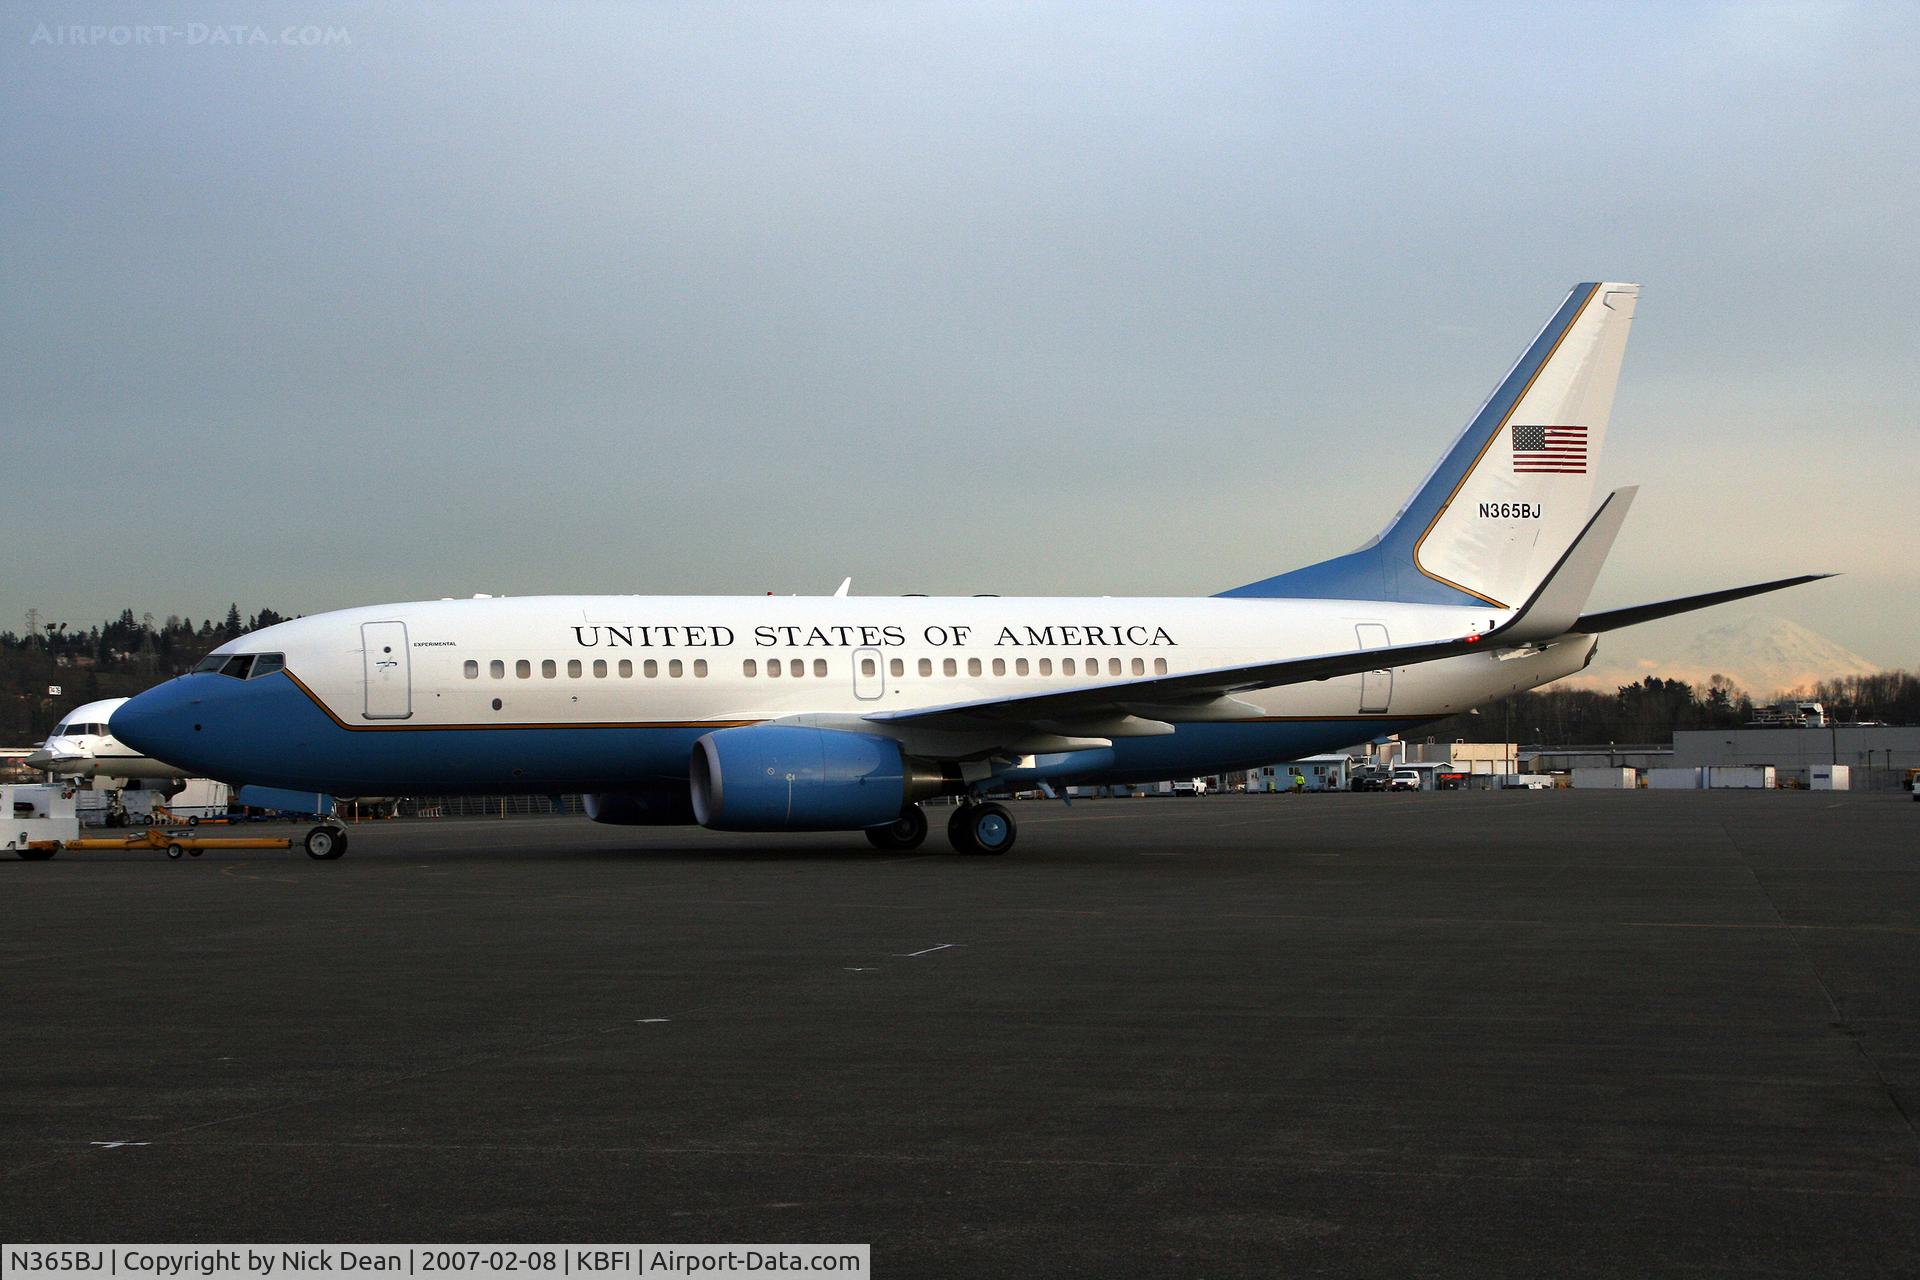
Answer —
1613 619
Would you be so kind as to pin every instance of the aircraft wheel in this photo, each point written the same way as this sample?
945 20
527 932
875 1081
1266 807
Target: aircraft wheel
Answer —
324 844
981 828
993 829
960 830
175 850
905 832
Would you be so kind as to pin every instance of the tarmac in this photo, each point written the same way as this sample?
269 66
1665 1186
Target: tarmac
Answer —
1475 1034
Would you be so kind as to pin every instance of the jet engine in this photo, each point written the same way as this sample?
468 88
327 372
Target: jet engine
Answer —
772 777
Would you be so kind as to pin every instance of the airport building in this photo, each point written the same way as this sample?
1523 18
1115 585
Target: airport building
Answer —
1878 757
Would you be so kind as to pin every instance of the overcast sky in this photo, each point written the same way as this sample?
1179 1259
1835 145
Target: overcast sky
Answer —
1029 299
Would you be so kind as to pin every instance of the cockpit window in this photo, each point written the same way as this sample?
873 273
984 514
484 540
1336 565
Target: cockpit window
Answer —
243 666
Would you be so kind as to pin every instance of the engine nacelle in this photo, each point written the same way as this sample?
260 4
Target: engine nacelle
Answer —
665 804
773 777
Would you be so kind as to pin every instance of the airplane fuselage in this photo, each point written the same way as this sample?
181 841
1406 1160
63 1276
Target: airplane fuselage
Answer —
595 693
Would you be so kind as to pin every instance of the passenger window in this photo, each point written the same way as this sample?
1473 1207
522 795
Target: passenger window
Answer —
1046 666
700 668
773 666
926 666
626 668
472 669
523 669
1139 666
1159 666
573 668
1019 666
1113 666
650 669
749 668
999 666
973 666
796 668
497 669
820 666
548 668
599 668
898 667
1067 667
867 667
673 668
948 667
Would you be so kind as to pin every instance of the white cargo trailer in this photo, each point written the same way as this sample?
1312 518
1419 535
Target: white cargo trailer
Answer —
1610 778
1676 779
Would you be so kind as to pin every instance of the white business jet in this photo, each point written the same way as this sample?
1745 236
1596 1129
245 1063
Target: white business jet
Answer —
83 746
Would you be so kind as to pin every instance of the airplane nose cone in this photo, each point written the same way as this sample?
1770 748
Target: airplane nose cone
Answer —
41 759
161 722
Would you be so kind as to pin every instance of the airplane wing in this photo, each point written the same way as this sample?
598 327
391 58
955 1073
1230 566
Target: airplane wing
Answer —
1147 705
1104 709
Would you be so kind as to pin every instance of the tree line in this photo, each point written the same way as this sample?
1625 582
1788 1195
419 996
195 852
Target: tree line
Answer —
1649 712
115 659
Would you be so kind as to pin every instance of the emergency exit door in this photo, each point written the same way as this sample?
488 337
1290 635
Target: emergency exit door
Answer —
1376 687
869 674
389 680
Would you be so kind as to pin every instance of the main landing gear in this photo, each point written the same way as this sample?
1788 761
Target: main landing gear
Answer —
973 828
981 828
903 833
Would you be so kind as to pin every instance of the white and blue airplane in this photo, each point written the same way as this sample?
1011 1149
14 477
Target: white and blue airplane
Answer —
844 713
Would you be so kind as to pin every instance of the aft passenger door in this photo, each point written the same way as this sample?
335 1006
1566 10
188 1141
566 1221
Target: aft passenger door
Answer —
1376 687
389 679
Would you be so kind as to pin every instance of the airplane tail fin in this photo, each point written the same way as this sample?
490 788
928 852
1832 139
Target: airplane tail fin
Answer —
1513 493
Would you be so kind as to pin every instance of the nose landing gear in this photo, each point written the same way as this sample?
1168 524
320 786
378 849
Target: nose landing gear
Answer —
325 843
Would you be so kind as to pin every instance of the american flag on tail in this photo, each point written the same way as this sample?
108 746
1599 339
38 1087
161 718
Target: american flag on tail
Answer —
1550 449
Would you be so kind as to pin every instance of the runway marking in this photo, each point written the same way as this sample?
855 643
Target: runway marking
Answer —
644 1021
115 1146
862 968
929 951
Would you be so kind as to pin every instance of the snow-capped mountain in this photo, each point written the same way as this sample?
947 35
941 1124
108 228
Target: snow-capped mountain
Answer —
1762 654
